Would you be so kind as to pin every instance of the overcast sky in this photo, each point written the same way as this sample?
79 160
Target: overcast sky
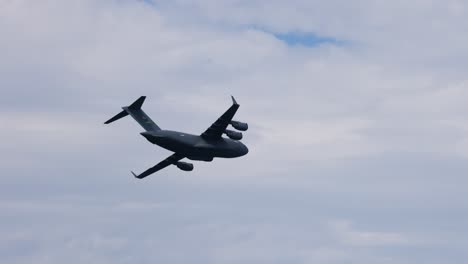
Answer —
358 131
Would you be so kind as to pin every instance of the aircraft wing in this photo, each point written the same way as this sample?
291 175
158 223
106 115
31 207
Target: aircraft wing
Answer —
216 130
161 165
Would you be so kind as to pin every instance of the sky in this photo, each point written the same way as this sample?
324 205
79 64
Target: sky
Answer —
358 131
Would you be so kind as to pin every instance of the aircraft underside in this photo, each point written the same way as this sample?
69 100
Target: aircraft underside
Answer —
200 158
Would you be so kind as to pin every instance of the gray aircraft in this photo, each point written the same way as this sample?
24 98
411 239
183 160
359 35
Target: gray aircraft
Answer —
210 144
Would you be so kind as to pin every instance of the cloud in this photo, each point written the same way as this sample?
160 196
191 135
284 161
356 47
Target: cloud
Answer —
347 235
371 131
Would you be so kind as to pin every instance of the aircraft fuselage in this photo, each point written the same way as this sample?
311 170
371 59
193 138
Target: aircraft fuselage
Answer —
196 147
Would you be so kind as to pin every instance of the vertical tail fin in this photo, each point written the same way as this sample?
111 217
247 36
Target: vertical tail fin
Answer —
135 111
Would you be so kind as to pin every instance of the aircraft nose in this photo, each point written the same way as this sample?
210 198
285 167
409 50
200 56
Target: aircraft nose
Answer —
245 150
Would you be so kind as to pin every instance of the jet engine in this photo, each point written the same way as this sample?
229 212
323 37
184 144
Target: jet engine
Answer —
233 134
239 125
184 166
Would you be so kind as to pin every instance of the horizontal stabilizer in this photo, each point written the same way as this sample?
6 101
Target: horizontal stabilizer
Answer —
117 117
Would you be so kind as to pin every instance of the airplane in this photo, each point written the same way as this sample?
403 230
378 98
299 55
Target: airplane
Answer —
205 147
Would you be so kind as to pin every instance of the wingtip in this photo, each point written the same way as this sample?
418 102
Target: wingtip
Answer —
108 122
136 176
234 100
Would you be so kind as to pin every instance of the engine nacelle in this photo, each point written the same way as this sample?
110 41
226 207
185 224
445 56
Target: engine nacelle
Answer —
184 166
233 134
239 125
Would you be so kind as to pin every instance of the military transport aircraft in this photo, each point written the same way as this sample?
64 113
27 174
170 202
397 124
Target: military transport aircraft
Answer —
210 144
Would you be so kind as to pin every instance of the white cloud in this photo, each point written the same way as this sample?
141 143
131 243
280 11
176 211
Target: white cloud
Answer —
336 130
345 234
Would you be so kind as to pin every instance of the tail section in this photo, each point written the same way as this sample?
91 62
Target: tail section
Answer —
135 111
138 103
117 117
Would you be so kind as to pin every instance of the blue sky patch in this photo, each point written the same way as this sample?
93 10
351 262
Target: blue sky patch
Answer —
306 39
